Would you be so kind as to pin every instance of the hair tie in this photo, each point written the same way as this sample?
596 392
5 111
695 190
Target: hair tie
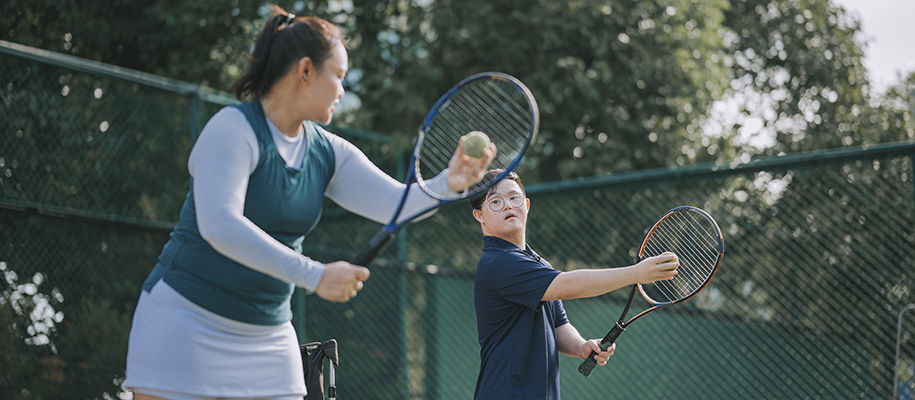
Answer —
290 18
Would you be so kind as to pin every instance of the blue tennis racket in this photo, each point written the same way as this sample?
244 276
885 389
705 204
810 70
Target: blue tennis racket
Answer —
496 104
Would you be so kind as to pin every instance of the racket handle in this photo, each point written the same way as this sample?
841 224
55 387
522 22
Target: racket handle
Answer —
371 250
332 385
588 365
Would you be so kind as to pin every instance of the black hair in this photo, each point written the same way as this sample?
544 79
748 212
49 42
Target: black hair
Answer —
284 40
476 202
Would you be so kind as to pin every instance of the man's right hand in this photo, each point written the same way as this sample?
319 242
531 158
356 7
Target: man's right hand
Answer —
657 268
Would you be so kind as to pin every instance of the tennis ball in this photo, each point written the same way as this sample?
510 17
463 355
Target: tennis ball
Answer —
675 259
474 143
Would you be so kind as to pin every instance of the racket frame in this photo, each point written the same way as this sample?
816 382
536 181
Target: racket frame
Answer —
588 364
389 231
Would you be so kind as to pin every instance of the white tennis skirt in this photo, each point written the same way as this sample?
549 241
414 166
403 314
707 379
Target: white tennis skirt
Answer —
178 346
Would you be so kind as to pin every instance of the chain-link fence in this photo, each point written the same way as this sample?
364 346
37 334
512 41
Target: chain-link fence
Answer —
904 376
809 301
818 264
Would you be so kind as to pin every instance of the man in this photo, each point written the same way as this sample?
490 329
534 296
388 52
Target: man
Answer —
521 323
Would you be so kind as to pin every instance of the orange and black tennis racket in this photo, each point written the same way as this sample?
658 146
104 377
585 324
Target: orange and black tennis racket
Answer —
693 235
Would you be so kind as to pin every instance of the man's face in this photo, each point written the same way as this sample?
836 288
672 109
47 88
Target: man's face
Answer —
510 219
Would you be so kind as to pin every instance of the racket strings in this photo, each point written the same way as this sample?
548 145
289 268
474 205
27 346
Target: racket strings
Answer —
695 265
506 100
498 108
694 270
487 106
693 246
687 281
695 242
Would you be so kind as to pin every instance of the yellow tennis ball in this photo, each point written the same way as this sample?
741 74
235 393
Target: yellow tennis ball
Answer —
474 143
675 259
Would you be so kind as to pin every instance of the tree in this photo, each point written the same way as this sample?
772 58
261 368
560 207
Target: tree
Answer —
200 42
622 85
798 78
632 85
618 84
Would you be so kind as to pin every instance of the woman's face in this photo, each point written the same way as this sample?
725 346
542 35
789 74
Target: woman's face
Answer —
325 86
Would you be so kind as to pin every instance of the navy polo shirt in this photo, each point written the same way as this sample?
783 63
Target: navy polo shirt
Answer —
517 331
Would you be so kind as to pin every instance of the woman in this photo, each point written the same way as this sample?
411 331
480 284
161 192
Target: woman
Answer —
213 319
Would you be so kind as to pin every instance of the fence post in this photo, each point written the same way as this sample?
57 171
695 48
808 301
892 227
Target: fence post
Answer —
193 116
898 342
402 283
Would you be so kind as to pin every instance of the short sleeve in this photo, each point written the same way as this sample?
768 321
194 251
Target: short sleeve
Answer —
559 314
521 280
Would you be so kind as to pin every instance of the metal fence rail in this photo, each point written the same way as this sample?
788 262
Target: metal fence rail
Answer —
807 304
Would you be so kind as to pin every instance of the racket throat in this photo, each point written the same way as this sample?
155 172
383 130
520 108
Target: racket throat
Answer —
611 337
371 250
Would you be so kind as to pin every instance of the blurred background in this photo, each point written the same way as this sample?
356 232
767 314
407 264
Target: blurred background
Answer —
763 113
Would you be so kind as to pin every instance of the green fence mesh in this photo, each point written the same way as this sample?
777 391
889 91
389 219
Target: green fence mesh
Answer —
904 371
814 298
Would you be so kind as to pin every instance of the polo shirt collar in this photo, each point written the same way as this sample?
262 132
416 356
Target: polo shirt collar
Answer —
502 244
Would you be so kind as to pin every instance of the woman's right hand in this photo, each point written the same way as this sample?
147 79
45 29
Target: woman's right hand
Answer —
341 281
465 171
657 268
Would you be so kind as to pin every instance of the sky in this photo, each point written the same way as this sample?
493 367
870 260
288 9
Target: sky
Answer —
889 28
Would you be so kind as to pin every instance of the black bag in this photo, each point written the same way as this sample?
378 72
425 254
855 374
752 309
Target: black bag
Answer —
313 355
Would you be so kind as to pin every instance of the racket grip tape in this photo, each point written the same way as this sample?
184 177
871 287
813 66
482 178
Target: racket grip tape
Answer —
588 365
371 250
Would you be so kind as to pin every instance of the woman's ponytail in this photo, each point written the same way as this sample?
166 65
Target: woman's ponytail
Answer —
284 40
253 83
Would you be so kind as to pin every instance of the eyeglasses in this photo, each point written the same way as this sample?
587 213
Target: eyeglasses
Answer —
497 203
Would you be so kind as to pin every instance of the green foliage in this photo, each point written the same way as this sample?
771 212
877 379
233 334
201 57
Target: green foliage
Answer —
199 41
89 138
67 292
622 85
617 88
797 68
626 85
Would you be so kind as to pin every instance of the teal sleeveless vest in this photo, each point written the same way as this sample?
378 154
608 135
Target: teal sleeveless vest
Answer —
284 202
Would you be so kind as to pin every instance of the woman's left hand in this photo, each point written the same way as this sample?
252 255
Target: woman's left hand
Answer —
464 171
